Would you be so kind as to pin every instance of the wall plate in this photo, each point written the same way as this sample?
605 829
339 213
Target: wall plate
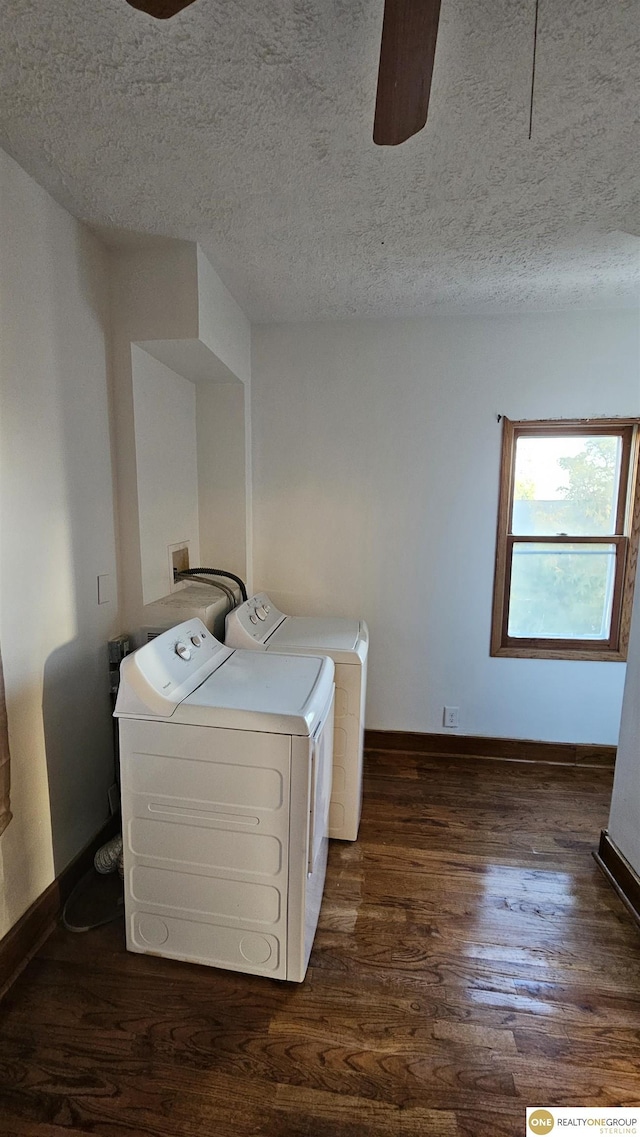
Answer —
179 558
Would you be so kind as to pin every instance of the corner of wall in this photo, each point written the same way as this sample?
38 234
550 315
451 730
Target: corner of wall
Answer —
222 324
168 301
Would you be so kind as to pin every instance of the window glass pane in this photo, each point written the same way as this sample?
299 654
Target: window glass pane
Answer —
566 485
561 591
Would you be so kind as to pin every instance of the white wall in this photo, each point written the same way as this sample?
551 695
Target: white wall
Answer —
164 405
624 821
222 475
222 325
376 463
224 416
57 535
170 306
154 296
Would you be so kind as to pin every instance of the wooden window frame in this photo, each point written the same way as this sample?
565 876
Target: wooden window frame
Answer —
626 540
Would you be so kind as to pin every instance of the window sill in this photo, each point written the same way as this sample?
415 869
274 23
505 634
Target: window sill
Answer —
601 655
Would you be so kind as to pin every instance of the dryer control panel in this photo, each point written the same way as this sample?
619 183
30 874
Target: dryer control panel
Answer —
161 673
251 623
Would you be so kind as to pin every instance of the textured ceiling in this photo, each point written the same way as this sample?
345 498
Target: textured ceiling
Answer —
246 125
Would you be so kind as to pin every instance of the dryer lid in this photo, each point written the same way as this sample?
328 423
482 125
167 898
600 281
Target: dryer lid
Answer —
279 694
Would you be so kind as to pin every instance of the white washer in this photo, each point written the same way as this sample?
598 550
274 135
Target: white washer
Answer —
226 761
258 624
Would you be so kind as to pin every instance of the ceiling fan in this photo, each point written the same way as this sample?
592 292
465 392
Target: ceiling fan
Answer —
409 32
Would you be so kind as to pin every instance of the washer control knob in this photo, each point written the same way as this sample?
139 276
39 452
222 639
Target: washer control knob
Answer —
267 608
261 613
196 641
183 651
253 618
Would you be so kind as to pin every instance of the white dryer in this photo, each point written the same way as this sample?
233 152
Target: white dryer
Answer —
226 760
258 624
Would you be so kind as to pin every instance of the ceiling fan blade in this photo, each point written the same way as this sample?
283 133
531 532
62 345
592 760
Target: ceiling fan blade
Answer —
409 32
161 9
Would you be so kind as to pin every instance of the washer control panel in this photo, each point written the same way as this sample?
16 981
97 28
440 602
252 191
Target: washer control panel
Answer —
161 673
253 621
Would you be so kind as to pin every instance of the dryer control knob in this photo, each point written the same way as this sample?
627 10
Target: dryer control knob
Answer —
261 613
183 651
253 618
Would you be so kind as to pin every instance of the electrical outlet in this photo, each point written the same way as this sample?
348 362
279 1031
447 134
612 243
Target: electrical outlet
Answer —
178 562
451 717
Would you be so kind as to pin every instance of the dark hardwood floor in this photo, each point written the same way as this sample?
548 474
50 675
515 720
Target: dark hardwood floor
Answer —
471 960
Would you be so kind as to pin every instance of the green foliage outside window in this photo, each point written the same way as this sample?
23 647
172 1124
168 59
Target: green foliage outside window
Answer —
565 591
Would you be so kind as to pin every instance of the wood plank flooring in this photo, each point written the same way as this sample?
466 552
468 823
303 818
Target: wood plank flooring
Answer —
471 960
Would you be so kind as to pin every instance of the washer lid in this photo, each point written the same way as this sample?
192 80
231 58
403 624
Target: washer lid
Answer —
345 641
278 694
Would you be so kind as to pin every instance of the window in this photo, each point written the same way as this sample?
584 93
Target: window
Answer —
568 526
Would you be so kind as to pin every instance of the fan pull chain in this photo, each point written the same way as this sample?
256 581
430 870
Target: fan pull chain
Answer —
533 67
